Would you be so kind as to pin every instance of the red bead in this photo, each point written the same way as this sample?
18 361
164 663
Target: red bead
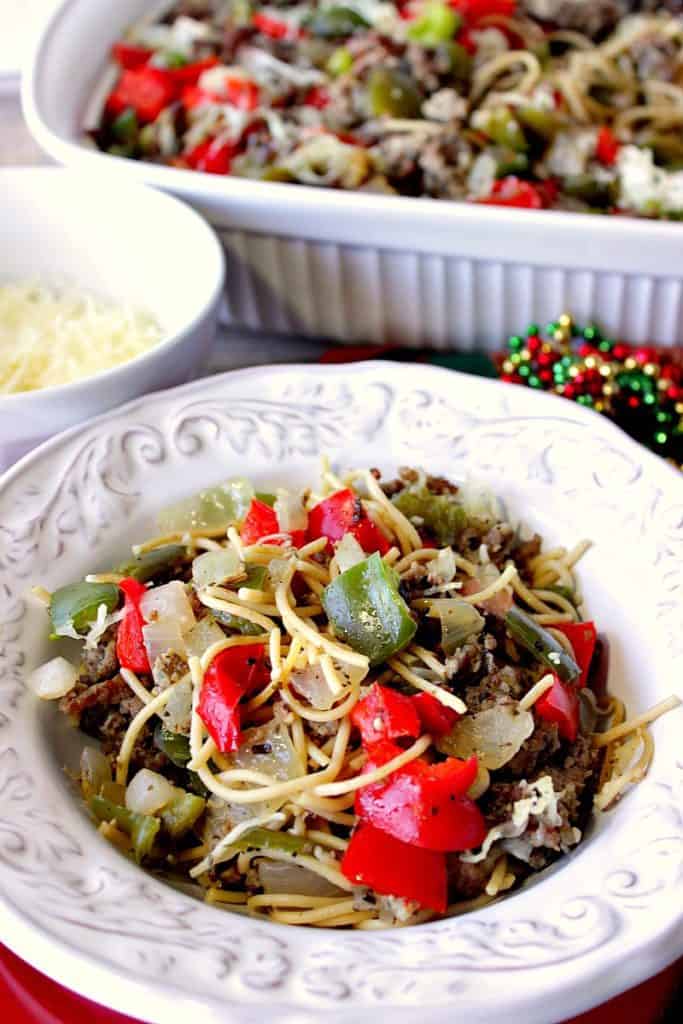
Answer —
633 402
547 358
533 343
545 375
644 355
621 351
569 391
674 393
510 377
586 349
579 378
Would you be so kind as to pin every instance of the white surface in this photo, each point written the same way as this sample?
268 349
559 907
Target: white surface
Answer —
125 243
375 268
604 919
20 20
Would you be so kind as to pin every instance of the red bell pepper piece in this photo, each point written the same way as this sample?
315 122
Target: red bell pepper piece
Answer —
261 521
513 191
343 513
189 74
423 804
240 92
147 90
583 637
232 674
275 28
607 146
560 704
393 868
384 714
130 57
473 11
435 717
317 97
130 644
213 156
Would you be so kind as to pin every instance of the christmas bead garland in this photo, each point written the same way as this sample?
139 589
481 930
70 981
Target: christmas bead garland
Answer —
640 387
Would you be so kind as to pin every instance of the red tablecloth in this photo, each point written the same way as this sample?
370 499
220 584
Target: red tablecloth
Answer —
27 997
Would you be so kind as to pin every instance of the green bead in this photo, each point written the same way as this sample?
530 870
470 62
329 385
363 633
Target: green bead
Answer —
515 343
590 332
534 381
605 346
524 370
664 417
532 329
649 399
661 437
552 327
515 359
584 400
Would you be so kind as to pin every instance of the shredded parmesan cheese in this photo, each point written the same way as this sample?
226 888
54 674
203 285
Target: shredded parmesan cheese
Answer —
50 337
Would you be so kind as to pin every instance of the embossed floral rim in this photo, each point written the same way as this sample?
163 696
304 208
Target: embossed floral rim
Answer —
80 912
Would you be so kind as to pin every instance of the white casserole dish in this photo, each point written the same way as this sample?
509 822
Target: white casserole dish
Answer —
361 267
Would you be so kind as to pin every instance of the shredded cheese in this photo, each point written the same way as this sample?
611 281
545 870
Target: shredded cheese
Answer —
50 337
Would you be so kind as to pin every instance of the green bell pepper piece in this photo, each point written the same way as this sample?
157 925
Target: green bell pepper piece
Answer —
146 566
436 24
460 61
183 811
212 508
339 62
501 126
256 575
142 828
588 189
394 93
174 745
543 123
334 22
508 161
541 644
265 839
266 497
443 516
366 610
75 606
125 127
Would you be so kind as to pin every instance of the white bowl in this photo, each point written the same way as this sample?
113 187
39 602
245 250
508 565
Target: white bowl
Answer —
603 919
125 243
361 267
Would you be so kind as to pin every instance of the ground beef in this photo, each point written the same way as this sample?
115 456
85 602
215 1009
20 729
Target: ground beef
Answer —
536 751
103 694
588 16
169 668
145 753
466 881
524 551
445 161
100 662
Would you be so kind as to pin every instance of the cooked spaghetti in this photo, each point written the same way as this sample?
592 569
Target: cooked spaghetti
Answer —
371 705
567 104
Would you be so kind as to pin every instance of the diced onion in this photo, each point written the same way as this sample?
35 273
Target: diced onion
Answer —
348 552
95 771
310 683
203 635
148 792
494 735
290 512
442 568
210 509
216 567
268 749
177 715
54 679
161 637
279 876
169 602
459 620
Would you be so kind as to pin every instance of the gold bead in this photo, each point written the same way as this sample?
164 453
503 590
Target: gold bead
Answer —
573 371
606 370
546 348
564 320
525 354
590 362
599 406
650 369
508 367
560 335
679 408
630 363
663 384
608 390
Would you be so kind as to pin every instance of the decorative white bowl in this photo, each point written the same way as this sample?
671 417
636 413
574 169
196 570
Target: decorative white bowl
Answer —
369 268
126 243
602 920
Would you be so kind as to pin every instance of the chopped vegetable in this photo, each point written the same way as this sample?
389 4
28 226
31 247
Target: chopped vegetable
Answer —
339 62
512 191
130 641
393 93
459 621
334 22
131 57
441 514
436 23
366 610
212 508
541 644
142 828
560 704
583 637
232 674
435 717
265 839
181 813
423 804
262 521
343 513
168 603
73 608
94 771
607 146
54 679
384 714
213 156
494 735
389 866
146 90
174 745
147 566
147 792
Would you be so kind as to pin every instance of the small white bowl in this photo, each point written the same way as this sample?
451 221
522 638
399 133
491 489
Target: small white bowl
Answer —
126 243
